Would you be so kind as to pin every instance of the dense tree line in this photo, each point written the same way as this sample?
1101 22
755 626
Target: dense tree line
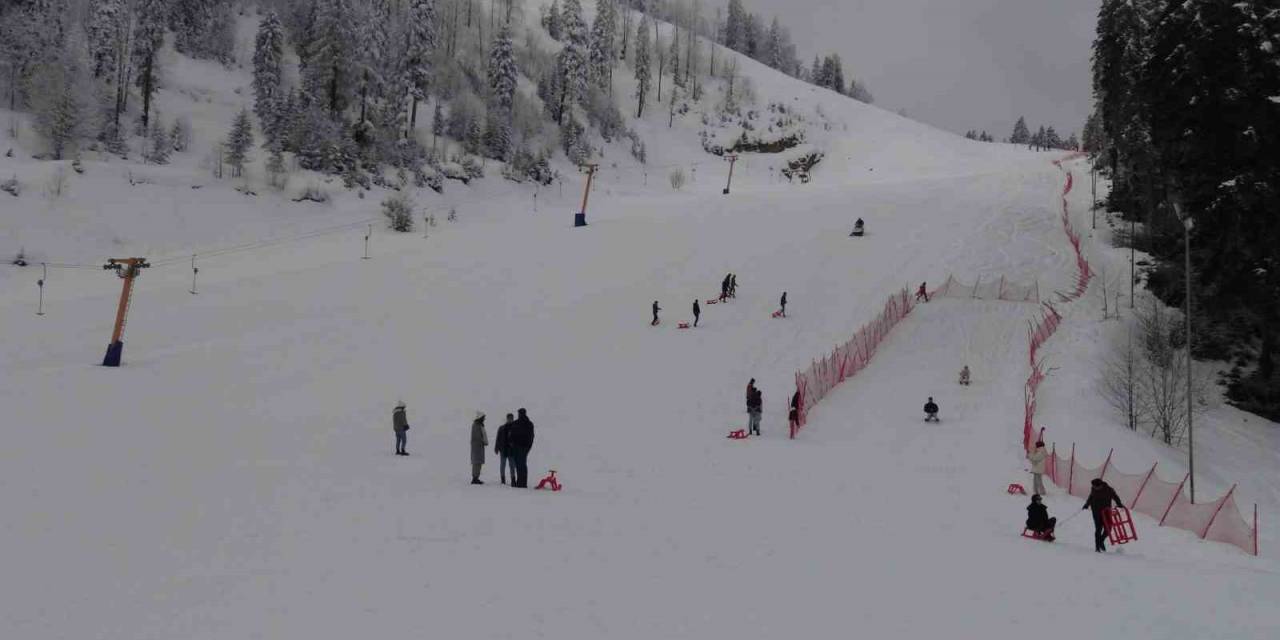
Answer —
1187 122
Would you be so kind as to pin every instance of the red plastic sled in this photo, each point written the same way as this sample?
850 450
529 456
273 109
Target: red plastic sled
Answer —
683 325
1037 535
777 314
740 434
714 301
549 482
1016 489
1119 524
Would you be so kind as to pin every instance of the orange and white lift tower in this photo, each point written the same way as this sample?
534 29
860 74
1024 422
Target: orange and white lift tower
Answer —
127 269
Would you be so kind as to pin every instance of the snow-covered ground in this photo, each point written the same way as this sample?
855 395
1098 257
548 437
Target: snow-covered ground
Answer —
236 479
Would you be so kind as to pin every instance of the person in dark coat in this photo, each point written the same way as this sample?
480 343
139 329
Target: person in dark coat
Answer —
519 442
793 416
733 285
479 440
697 312
784 304
922 293
755 407
1101 497
400 424
656 309
1038 519
930 410
500 447
857 228
724 288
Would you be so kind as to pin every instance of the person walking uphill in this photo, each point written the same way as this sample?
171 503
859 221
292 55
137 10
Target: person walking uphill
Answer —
400 424
1101 496
784 304
519 442
697 312
755 405
479 440
1037 457
501 448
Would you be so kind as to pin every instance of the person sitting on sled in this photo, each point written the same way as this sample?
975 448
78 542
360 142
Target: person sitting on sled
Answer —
857 228
964 375
931 410
1038 519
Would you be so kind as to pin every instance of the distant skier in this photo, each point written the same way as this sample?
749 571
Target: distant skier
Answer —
922 293
857 229
733 285
697 312
1037 457
479 440
1101 496
400 424
930 410
1038 519
519 442
755 406
793 415
656 309
501 448
964 375
784 304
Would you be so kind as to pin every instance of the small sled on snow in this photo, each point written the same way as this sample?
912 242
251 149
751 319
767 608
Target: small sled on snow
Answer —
713 301
777 314
683 325
549 483
739 434
1119 524
1016 489
1045 536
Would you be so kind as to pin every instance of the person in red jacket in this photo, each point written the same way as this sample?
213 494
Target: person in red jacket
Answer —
922 293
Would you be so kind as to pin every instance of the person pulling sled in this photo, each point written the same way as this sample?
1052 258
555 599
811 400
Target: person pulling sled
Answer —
930 410
857 229
697 312
656 309
784 304
922 293
1101 497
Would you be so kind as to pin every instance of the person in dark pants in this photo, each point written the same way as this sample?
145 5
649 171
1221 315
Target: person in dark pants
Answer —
922 293
755 406
1038 519
479 440
793 416
400 424
930 410
519 442
733 285
724 288
697 312
1101 497
500 447
656 309
784 304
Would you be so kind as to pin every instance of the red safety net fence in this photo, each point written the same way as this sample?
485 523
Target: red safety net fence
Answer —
847 359
1146 492
990 289
1220 520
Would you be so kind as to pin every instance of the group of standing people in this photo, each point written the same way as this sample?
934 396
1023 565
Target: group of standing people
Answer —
1101 498
513 442
729 287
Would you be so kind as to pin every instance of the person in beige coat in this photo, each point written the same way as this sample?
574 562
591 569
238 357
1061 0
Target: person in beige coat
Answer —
479 440
1037 457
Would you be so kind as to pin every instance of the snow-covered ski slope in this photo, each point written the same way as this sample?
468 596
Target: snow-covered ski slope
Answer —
235 478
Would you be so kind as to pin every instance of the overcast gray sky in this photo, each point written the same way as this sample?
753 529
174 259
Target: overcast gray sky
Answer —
956 64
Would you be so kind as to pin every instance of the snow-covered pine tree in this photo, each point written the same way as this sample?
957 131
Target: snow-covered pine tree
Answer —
239 141
497 135
674 56
437 126
159 146
61 95
603 46
774 49
421 46
104 22
643 79
1021 135
180 133
573 57
329 75
203 29
735 26
275 165
473 140
502 73
552 23
268 53
146 45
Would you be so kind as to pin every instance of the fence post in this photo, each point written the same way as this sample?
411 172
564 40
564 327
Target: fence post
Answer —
1216 511
1143 485
1175 499
1255 529
1000 294
1053 465
1071 475
1103 475
975 287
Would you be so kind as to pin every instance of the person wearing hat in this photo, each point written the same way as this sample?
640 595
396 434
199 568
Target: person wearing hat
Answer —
503 449
519 442
479 440
755 405
1038 519
1101 496
1037 457
400 424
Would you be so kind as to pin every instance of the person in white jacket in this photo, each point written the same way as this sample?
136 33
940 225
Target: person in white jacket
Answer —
1037 457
